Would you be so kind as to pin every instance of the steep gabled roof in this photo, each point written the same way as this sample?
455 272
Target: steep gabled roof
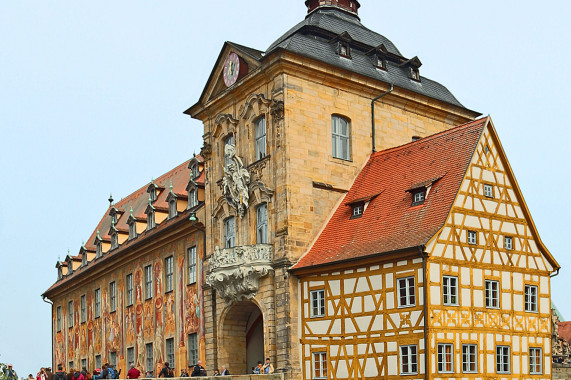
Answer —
390 223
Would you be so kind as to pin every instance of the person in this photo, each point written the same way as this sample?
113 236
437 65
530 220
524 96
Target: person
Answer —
10 373
60 374
49 374
78 376
216 373
224 371
105 371
149 375
166 371
183 373
110 372
85 373
258 369
30 377
198 370
268 367
42 374
133 372
70 374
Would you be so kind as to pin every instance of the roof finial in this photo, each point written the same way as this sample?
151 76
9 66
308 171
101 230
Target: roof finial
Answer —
131 211
98 237
171 185
110 199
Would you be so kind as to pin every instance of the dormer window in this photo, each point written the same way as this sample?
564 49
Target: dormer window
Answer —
84 259
114 240
418 197
150 219
194 171
357 210
192 198
381 63
113 214
98 250
414 74
172 208
132 230
344 49
59 273
152 190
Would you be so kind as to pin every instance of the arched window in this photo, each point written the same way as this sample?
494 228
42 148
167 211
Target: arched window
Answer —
260 130
229 232
262 224
340 137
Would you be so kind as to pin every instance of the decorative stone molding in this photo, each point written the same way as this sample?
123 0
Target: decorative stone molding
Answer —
224 124
235 272
257 103
235 181
277 112
256 169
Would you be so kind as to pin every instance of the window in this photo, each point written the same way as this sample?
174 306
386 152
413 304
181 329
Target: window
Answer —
344 49
169 269
502 359
487 149
319 365
113 359
59 273
472 237
152 190
129 282
445 355
150 219
418 197
70 314
172 208
149 356
130 356
535 361
229 140
381 63
148 282
450 290
492 294
170 351
132 229
70 364
192 348
406 292
112 296
58 318
194 170
83 259
357 210
340 137
414 74
83 309
192 266
469 358
408 361
83 363
530 298
260 138
508 242
317 303
97 303
97 361
488 191
114 240
229 231
192 194
98 249
262 224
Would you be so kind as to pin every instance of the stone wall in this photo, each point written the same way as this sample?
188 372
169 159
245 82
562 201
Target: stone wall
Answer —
560 371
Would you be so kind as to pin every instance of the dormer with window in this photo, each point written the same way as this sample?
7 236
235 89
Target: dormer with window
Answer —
150 211
412 65
379 56
114 214
98 245
358 206
132 223
172 203
153 191
419 192
343 44
113 233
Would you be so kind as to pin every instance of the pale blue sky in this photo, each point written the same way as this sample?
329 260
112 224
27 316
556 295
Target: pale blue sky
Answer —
92 95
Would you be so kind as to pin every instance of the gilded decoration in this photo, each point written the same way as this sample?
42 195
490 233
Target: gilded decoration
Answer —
235 272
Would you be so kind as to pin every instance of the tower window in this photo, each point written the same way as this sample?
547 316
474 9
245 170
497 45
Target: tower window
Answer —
229 232
344 49
381 63
414 74
340 136
262 224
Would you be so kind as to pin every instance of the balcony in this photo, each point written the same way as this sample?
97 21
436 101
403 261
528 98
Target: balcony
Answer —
235 272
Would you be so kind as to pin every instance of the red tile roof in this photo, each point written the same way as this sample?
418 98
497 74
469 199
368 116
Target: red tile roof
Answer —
390 223
565 331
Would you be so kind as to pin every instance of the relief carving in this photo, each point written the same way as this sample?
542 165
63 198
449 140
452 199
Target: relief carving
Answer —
236 180
235 272
277 112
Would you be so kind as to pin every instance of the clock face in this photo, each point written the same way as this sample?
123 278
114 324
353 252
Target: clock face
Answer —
231 69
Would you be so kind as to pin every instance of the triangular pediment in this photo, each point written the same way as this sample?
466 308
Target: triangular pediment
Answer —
249 61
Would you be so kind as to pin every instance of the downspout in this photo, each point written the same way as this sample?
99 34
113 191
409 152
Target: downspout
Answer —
373 114
52 323
425 306
554 274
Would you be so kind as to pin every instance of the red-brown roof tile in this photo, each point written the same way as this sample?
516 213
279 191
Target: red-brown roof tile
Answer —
389 223
565 331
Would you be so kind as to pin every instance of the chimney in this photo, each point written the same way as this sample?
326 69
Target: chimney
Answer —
348 6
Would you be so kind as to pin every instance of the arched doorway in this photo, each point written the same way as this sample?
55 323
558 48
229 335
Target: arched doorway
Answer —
241 338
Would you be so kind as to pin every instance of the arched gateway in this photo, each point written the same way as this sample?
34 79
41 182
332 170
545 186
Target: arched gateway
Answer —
241 337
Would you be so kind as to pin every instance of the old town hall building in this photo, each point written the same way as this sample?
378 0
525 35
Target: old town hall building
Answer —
347 218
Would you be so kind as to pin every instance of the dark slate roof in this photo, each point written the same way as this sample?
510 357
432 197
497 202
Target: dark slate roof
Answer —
312 38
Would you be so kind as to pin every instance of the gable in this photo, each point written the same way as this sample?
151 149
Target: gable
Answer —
490 206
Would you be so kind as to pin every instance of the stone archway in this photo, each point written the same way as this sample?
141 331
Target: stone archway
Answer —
241 339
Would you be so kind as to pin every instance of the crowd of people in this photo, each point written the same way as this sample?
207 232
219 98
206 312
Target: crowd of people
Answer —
108 372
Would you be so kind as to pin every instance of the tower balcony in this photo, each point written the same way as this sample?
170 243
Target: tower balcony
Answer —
235 272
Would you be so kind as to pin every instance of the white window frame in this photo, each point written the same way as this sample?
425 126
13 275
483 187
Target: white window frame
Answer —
508 242
358 210
450 292
230 232
97 299
472 237
169 345
530 298
169 274
406 290
317 303
503 359
445 357
319 365
419 197
148 282
191 265
262 224
83 309
408 359
341 142
112 296
488 191
58 319
535 361
469 358
129 286
260 135
492 293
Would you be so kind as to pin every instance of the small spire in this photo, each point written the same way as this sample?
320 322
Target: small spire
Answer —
110 199
131 211
171 186
98 237
58 258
